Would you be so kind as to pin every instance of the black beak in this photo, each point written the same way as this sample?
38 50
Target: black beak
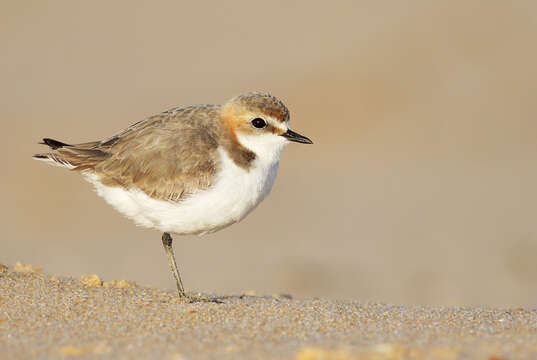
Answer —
296 137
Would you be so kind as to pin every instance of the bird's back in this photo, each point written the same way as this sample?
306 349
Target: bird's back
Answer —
167 156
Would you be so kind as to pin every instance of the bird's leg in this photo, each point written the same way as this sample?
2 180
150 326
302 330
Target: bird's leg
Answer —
167 242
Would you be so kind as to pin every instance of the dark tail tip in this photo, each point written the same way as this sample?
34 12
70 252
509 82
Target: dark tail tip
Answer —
54 144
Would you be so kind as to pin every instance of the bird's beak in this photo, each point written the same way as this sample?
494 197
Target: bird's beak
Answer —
296 137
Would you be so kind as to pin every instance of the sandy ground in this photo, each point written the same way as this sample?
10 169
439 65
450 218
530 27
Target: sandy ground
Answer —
44 317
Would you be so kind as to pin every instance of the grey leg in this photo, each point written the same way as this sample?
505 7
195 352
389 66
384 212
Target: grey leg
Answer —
167 242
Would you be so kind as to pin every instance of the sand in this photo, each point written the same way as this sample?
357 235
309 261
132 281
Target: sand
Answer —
46 317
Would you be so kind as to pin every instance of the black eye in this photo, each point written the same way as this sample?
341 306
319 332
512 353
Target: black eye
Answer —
259 123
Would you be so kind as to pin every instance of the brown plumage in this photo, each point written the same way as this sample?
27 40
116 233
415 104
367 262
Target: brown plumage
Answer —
149 156
172 154
264 104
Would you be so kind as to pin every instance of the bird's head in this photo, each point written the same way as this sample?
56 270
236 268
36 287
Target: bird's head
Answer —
260 122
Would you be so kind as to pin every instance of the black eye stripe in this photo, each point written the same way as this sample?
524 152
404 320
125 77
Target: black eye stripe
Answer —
259 123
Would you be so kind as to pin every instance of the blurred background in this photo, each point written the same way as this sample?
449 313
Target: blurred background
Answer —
420 187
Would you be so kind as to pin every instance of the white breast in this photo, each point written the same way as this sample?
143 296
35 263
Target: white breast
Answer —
234 194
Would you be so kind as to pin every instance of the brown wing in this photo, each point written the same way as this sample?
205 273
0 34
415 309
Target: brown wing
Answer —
168 156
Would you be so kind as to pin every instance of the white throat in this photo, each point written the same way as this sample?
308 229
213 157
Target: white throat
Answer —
266 147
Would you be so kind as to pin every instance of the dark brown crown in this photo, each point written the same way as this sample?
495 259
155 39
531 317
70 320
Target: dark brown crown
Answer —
263 103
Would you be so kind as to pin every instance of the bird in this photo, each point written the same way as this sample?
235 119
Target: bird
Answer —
187 170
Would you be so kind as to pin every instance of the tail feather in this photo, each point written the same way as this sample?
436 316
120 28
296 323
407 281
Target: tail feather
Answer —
54 159
53 144
77 157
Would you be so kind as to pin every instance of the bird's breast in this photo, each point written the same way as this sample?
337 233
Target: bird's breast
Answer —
235 192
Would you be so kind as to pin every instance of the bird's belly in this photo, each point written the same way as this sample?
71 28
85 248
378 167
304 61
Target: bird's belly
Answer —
234 194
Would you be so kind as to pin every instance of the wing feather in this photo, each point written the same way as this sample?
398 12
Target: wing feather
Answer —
167 156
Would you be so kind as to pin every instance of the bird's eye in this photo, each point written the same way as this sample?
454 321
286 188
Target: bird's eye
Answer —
259 123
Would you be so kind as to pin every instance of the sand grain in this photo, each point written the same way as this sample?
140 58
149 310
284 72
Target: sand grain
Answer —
44 317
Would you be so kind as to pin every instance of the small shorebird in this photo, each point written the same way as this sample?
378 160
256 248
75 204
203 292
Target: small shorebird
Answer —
187 170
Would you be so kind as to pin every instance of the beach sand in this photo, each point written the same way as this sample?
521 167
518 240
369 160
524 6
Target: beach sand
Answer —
44 317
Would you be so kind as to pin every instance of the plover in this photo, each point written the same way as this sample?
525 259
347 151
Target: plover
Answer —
188 170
